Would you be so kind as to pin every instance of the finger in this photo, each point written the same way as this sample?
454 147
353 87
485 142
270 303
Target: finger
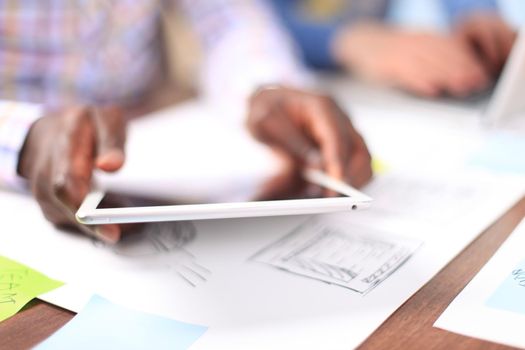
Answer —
360 169
287 183
325 125
447 65
505 38
110 233
417 78
111 137
418 86
60 215
460 67
484 39
44 198
408 71
72 160
71 174
360 163
278 130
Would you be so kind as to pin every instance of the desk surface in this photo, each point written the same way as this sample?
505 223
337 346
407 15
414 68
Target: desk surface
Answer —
410 327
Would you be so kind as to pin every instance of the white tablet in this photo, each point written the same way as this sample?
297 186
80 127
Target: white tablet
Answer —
89 212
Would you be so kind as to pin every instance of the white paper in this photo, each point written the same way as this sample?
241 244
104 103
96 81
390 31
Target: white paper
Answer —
492 305
203 273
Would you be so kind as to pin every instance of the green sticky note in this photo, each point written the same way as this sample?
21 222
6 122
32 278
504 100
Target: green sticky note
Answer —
378 166
20 284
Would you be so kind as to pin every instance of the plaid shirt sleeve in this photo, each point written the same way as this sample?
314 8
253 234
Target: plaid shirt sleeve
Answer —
15 120
244 47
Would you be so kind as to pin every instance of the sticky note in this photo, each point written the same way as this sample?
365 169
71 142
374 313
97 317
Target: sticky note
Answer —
105 325
510 295
378 166
19 284
502 153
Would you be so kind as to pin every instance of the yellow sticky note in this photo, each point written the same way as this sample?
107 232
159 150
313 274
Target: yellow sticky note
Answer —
378 166
19 284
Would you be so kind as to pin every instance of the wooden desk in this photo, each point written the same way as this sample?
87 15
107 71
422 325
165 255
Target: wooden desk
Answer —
410 327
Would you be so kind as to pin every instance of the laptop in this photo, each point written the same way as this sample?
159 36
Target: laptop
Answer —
506 107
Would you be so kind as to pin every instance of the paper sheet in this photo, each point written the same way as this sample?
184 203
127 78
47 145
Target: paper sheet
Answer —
434 199
201 272
510 295
20 284
501 152
103 325
492 305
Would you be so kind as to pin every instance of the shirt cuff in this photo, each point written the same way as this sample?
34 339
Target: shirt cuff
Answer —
316 44
15 121
459 9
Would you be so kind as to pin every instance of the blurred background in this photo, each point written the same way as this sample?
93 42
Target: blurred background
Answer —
429 14
183 52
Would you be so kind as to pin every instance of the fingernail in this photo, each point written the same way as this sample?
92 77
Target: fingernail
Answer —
108 234
111 158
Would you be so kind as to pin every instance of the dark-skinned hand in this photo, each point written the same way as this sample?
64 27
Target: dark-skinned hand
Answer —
58 158
308 130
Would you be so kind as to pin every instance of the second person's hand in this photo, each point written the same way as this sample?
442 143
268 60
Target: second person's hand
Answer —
489 36
422 63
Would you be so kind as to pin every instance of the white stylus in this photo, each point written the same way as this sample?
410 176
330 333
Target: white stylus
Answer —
320 178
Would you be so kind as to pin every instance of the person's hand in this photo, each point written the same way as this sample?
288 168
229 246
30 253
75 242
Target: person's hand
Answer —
59 155
310 130
421 63
489 36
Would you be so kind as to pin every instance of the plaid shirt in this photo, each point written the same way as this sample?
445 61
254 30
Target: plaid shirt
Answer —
56 52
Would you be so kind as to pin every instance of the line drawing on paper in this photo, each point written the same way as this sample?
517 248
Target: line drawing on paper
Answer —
339 254
163 245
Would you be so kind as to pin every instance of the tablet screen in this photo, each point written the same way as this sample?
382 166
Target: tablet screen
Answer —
117 200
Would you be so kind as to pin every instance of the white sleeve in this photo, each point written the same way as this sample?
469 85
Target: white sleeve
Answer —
244 47
15 121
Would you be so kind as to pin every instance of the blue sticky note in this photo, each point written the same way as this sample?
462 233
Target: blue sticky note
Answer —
103 325
503 153
510 295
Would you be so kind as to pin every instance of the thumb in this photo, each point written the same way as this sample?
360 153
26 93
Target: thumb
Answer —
111 137
280 131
